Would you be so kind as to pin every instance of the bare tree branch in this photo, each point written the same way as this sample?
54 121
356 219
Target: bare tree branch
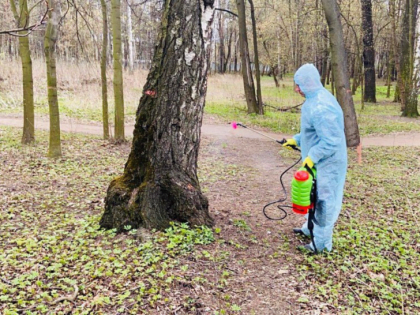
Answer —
224 10
34 6
283 109
64 15
30 28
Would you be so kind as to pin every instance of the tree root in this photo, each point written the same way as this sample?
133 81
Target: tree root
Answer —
6 281
70 298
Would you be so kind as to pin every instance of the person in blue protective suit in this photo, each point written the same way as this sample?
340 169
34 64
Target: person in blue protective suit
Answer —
323 146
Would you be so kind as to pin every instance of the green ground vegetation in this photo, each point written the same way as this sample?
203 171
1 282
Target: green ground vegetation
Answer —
52 250
56 260
374 268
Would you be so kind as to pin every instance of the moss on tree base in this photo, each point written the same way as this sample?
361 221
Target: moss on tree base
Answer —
154 205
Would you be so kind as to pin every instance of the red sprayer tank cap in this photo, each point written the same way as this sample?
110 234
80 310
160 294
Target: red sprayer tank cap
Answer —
301 176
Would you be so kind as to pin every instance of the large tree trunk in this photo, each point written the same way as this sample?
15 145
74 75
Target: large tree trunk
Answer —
409 77
160 182
22 19
249 88
339 68
118 75
50 40
105 118
368 52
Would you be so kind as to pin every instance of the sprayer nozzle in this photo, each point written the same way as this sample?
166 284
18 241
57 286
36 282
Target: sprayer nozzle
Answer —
234 125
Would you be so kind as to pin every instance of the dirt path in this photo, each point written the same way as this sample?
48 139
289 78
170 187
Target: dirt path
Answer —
260 256
209 128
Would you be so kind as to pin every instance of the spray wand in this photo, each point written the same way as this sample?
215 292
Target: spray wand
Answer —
236 124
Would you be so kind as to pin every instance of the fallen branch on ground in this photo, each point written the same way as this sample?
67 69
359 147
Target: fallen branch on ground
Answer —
68 298
283 109
6 281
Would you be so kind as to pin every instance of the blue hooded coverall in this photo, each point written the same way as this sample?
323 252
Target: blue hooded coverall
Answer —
322 138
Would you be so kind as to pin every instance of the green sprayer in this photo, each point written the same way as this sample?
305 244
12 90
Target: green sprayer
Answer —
302 190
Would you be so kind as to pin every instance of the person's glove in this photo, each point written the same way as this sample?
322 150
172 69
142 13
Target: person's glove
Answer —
290 143
308 162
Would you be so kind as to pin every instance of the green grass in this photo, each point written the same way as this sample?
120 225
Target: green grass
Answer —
380 118
368 125
69 106
275 121
226 101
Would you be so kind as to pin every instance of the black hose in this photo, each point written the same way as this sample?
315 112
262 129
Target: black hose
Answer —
280 207
311 213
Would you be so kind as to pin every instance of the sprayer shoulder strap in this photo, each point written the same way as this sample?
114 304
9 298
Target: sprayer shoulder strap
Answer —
311 214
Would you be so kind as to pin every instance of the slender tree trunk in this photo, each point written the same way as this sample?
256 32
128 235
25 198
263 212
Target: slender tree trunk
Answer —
256 59
118 74
356 75
276 72
222 58
409 78
388 83
396 46
325 55
160 182
279 65
130 39
105 118
273 66
362 102
22 20
324 70
381 65
298 60
339 67
368 52
329 72
51 34
249 88
389 68
229 51
214 50
235 59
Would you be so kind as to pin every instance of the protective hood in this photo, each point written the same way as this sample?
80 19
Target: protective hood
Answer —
308 79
